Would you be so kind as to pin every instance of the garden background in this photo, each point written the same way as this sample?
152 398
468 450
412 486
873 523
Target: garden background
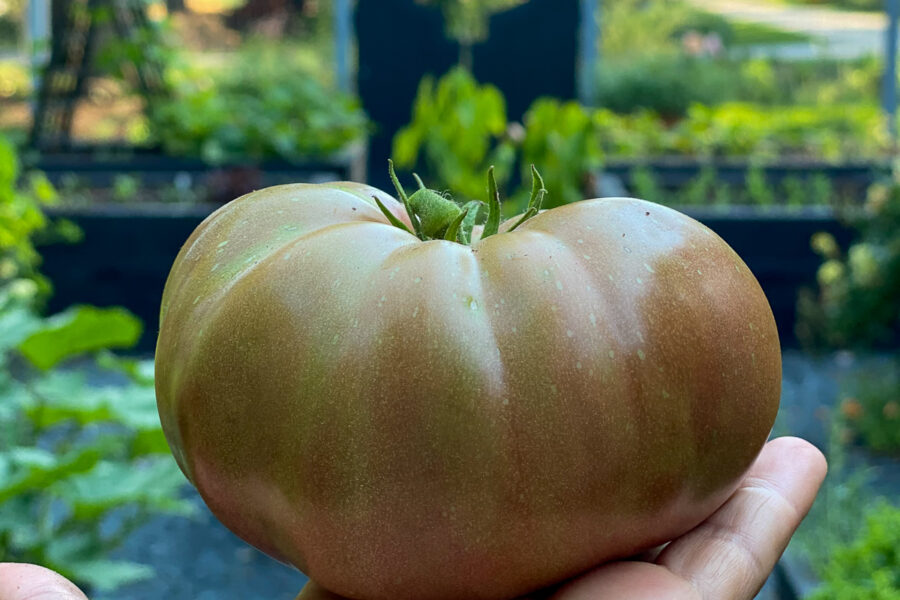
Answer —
124 123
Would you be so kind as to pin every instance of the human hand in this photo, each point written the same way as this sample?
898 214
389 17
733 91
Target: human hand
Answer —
728 557
30 582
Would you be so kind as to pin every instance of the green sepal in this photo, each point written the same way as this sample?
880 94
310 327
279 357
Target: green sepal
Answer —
465 232
492 226
452 232
390 217
537 189
405 199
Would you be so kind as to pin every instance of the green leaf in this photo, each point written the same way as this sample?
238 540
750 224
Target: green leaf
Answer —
79 330
16 324
140 371
67 396
107 575
29 474
152 483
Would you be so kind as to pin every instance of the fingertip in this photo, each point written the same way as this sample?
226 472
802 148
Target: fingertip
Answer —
20 581
796 456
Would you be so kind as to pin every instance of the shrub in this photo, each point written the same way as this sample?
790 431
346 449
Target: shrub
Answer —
869 567
261 107
562 139
858 299
81 465
458 130
667 84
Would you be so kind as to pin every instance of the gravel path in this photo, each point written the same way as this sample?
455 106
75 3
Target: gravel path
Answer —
200 560
834 33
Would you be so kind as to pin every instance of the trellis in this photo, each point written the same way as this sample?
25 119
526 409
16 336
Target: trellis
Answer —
71 63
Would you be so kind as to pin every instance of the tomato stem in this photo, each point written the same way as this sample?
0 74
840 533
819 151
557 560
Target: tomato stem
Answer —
435 216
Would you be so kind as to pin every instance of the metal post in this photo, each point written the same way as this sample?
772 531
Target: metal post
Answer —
889 86
343 38
37 37
588 50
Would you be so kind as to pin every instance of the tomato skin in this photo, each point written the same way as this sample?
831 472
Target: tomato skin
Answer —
426 420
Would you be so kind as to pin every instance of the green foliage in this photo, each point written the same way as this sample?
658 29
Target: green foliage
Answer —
261 106
664 83
15 80
82 464
670 83
635 28
467 20
858 300
838 514
871 408
707 189
458 130
21 218
872 5
869 567
561 139
829 133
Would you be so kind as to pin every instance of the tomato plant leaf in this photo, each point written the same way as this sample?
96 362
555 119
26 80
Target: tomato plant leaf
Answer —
78 330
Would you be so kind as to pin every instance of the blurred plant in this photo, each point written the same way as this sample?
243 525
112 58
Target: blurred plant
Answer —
837 516
706 189
667 84
125 187
563 139
874 5
645 185
868 568
458 130
745 130
871 408
759 190
858 300
81 465
11 21
467 21
261 107
701 189
633 28
15 80
22 218
824 132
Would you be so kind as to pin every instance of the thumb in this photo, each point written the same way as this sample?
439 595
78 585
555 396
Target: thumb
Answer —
31 582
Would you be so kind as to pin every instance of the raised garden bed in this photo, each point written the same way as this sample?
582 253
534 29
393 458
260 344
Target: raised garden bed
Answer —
98 169
676 172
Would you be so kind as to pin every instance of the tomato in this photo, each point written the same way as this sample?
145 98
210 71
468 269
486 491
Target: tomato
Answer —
409 419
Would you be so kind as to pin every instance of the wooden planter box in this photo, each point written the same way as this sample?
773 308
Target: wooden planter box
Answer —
676 172
100 168
128 250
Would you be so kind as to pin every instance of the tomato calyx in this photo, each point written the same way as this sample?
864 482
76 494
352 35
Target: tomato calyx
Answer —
435 216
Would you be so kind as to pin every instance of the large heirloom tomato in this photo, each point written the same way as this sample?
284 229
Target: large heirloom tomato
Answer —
433 420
